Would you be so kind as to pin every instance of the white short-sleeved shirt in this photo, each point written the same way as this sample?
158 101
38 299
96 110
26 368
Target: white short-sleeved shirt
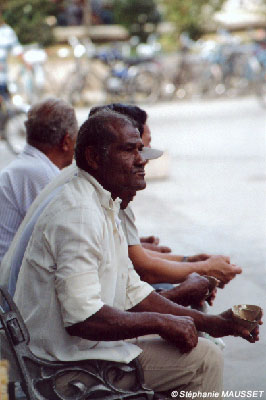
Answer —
77 261
12 260
20 183
129 227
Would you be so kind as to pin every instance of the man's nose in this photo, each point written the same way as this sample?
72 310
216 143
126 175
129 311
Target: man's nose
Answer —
140 159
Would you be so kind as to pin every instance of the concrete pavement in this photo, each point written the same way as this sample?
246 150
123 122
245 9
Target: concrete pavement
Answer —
215 201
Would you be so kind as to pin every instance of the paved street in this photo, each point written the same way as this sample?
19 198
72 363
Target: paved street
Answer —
214 201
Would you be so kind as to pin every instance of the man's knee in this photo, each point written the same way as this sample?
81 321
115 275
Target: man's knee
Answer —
213 354
165 368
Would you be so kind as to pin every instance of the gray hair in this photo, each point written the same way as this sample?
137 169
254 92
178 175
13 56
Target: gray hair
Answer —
49 121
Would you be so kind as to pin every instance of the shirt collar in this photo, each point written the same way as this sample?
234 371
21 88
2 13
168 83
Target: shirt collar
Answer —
103 194
34 152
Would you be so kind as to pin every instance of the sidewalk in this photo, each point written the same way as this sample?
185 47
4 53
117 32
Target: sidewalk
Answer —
214 201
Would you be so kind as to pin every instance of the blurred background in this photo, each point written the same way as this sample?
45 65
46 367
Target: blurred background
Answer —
95 51
199 69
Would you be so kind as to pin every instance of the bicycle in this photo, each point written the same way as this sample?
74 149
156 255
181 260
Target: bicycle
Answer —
135 80
83 81
241 68
109 76
195 74
12 128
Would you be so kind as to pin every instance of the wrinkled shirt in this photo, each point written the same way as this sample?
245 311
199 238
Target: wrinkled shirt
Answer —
76 262
20 183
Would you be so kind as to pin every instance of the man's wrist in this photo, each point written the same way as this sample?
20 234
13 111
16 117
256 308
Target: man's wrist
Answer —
202 267
174 294
202 321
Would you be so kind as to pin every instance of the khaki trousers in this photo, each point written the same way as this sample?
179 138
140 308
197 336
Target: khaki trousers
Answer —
167 370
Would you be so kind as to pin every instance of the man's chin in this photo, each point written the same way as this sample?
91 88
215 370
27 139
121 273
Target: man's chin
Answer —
135 186
143 186
140 186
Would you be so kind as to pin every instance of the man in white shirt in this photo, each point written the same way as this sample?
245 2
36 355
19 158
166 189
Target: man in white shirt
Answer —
51 130
92 299
157 267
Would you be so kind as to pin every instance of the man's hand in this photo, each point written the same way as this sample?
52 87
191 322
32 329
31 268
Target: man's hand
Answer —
180 331
152 243
155 247
150 239
224 325
220 268
192 292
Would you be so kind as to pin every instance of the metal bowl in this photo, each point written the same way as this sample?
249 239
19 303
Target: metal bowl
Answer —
247 315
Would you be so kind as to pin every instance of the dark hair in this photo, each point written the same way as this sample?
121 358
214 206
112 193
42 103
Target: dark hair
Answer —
134 112
49 121
99 131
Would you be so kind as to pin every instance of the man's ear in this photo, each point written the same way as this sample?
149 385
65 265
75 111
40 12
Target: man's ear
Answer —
92 157
66 143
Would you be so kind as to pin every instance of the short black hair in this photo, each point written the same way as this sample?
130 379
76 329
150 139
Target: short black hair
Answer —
99 131
134 112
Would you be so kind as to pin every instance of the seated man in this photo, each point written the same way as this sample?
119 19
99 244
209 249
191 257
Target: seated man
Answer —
152 266
51 129
91 298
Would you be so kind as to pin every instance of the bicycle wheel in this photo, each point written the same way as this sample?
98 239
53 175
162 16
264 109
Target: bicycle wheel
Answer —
144 86
210 82
14 131
237 80
72 92
25 86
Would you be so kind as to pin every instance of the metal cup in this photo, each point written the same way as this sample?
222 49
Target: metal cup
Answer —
247 315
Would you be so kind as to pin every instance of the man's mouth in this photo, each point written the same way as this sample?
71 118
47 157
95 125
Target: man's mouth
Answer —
140 172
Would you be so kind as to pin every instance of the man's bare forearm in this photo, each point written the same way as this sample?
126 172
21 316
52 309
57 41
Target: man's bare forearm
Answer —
157 315
145 318
164 256
164 306
216 325
155 269
158 269
112 324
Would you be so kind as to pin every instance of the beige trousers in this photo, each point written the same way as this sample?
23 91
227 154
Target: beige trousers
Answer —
167 370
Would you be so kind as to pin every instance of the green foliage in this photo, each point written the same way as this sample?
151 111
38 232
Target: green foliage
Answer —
28 18
134 14
190 15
